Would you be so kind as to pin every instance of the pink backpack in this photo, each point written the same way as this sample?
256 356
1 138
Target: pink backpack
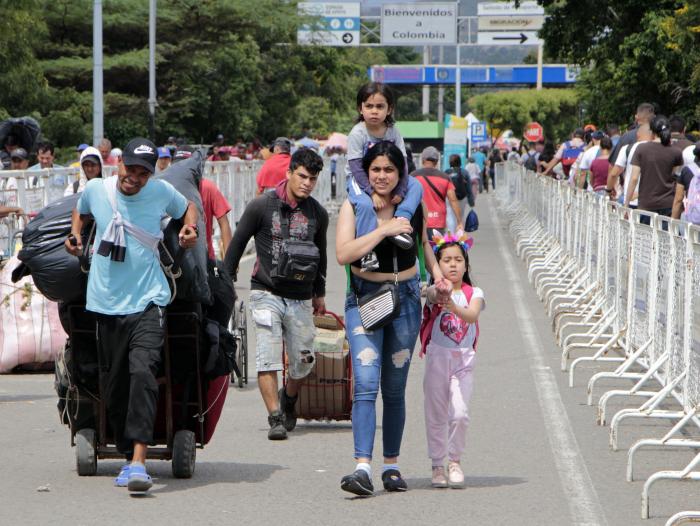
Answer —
431 314
692 202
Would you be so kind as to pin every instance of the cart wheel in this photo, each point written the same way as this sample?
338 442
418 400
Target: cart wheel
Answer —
184 454
85 455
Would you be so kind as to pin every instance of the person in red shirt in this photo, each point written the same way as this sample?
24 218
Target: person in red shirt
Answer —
437 188
216 206
275 168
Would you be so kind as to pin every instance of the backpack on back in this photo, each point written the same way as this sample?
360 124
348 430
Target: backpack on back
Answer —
569 156
431 314
458 179
531 162
692 202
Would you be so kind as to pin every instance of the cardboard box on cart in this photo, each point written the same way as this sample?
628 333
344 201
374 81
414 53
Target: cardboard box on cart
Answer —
327 391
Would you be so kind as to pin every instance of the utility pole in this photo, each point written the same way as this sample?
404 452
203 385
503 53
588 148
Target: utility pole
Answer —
426 88
441 90
540 54
97 88
458 85
152 68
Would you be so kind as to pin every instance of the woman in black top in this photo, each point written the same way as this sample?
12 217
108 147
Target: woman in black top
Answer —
381 357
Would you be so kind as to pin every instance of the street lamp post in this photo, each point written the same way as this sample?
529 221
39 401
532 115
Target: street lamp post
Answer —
152 68
97 88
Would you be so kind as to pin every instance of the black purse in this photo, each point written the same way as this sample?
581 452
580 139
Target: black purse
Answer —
381 307
298 259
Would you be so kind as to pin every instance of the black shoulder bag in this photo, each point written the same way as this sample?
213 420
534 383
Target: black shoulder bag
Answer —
381 307
298 259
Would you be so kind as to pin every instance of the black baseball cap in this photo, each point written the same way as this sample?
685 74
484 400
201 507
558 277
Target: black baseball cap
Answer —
19 153
140 152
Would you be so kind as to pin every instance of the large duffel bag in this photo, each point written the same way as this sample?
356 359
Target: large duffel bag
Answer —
54 271
30 330
193 285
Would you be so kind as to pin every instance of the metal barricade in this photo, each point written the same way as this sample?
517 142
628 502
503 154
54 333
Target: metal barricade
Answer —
633 279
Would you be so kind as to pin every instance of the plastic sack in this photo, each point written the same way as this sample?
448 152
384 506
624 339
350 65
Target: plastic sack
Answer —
30 330
54 271
193 284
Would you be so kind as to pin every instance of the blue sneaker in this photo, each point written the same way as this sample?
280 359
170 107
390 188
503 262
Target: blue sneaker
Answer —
123 478
138 479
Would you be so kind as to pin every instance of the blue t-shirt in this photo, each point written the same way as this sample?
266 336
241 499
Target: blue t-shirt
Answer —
479 159
127 287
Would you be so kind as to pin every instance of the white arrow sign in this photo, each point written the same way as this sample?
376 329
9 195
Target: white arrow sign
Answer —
508 38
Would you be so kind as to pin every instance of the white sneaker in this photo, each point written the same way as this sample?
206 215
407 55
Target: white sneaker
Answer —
439 479
455 475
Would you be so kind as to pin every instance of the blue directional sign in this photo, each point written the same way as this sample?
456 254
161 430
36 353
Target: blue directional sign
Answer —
335 24
474 75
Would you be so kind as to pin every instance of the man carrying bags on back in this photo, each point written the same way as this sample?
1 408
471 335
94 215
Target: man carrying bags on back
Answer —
128 290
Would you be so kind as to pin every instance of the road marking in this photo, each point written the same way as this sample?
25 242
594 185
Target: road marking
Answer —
576 483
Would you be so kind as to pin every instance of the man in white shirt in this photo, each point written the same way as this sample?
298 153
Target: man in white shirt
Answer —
623 164
588 157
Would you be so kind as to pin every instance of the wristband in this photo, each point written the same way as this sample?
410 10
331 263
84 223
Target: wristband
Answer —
194 227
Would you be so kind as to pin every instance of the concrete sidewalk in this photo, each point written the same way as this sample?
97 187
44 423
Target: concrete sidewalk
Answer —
534 454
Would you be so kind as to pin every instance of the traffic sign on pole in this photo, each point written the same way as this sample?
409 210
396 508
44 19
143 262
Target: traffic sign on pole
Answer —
479 133
510 23
533 132
336 24
508 38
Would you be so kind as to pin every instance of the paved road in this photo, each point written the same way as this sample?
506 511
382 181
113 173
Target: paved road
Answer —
535 456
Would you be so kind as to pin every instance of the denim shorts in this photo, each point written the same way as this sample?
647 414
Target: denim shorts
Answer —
279 319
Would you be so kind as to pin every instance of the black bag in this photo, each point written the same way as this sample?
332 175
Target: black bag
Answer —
298 259
54 271
193 284
221 360
531 162
222 293
381 307
460 185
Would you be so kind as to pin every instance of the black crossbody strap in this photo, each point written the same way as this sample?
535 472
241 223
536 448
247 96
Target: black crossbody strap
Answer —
430 183
284 221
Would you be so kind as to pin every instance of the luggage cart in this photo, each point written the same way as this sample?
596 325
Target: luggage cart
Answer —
326 393
181 422
238 326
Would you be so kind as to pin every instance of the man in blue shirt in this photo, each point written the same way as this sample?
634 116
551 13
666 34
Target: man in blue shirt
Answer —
480 159
128 290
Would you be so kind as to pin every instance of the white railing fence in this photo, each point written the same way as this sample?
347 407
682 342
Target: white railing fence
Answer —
33 190
623 289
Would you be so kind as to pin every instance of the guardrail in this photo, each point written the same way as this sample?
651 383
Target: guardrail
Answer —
622 288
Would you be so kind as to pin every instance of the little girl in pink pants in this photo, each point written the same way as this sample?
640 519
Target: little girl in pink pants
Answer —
449 334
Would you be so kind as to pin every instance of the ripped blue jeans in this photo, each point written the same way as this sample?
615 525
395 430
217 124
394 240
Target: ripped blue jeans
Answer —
381 358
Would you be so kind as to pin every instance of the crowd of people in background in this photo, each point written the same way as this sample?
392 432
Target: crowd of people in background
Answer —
651 166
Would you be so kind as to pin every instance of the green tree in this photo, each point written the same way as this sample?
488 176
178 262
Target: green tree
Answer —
631 51
22 85
555 109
